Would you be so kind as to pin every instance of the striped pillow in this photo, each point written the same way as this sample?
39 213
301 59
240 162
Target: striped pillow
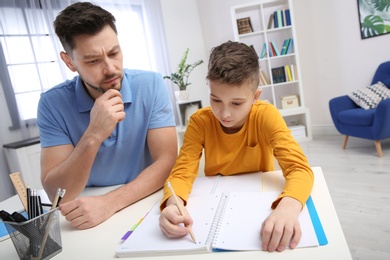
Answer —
369 97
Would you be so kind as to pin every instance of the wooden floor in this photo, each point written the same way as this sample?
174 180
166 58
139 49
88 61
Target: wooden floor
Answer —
359 184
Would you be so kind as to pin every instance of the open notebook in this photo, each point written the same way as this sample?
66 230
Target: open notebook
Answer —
225 218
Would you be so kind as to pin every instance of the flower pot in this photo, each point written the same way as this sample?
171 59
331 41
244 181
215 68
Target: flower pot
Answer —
182 94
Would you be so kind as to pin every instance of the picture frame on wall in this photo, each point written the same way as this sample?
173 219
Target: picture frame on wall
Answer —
374 18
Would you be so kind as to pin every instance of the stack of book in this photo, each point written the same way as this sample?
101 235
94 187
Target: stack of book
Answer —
279 18
287 73
286 48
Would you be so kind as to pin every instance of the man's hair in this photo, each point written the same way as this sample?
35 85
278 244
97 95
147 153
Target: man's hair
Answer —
82 18
234 63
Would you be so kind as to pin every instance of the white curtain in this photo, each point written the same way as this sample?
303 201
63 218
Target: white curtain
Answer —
28 25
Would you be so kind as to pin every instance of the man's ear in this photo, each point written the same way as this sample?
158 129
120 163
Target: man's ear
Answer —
257 94
68 61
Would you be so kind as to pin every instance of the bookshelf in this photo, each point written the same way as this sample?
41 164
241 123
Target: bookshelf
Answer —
185 108
273 37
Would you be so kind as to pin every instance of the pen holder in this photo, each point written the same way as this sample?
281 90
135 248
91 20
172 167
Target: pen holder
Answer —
38 238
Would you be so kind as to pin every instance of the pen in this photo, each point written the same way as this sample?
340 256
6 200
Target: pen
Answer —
180 210
62 194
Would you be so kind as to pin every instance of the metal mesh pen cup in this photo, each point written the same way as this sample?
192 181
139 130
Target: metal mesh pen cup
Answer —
38 238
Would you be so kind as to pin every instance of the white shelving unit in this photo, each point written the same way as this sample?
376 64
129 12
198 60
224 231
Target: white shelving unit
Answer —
185 108
259 14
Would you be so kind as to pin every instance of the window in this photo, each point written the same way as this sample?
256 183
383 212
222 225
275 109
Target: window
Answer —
29 49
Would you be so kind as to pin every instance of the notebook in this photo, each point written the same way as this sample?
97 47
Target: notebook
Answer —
225 219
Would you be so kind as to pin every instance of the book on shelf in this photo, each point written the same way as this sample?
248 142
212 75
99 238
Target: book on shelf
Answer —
265 76
270 21
288 17
263 51
289 48
280 18
278 75
253 47
274 48
261 80
284 47
219 207
270 52
293 72
287 69
244 25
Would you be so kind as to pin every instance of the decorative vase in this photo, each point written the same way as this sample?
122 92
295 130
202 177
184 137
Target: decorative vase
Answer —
182 94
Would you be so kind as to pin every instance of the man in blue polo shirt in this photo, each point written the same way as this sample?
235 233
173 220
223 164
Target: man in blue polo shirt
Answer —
107 126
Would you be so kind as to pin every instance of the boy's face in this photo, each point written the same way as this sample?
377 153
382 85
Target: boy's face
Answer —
99 61
232 104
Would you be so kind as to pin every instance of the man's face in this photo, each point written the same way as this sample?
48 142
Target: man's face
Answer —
99 61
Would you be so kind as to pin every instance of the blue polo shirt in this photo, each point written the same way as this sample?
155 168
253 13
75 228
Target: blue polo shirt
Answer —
64 115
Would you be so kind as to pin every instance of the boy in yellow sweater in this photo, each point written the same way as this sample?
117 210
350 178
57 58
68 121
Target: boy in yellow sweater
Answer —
240 134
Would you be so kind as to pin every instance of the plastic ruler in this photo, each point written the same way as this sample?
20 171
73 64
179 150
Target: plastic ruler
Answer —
20 188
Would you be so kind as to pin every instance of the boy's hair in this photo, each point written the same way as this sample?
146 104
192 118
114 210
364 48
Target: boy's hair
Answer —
234 63
79 19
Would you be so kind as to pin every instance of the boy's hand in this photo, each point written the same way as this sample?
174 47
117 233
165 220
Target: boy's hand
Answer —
172 223
282 229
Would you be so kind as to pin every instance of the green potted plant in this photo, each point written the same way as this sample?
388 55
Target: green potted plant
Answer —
180 77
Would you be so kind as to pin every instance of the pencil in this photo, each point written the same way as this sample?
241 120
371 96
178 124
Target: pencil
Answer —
181 210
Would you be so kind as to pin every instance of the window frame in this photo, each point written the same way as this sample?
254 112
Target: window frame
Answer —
5 76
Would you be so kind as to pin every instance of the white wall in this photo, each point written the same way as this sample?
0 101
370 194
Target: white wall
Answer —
183 30
334 59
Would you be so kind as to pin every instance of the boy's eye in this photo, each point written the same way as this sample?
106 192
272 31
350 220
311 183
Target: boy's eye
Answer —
236 104
216 100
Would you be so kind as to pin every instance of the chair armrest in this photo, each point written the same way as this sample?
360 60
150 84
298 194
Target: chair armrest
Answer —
340 103
381 125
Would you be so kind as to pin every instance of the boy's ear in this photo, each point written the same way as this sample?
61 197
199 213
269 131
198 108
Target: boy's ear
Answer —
257 94
68 61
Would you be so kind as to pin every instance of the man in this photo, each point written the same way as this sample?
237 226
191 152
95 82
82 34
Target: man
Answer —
107 126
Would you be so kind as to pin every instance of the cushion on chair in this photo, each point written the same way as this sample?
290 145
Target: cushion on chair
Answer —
369 97
357 116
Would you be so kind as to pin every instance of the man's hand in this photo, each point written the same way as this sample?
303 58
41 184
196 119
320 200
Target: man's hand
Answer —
86 212
106 113
281 229
172 223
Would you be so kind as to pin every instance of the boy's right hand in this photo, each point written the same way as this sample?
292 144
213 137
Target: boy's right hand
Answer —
172 223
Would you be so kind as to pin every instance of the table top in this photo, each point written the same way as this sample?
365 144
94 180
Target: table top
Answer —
102 241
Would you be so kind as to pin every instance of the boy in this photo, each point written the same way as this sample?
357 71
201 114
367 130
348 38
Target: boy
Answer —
240 134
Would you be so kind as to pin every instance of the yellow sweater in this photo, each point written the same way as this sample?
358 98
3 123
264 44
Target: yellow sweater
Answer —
252 149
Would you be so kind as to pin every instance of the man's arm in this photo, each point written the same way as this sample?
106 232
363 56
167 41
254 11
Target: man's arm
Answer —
69 167
162 144
87 212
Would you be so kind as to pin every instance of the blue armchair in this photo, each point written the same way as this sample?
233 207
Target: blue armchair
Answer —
372 124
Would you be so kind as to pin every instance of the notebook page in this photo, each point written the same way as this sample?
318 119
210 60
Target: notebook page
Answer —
149 240
244 214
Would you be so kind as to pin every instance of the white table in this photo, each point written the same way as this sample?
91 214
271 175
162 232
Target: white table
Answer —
102 241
